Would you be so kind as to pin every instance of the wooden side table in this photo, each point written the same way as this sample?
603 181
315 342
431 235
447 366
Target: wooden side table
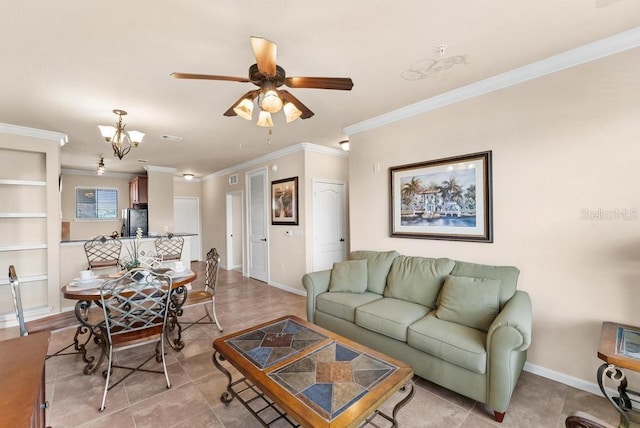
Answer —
22 397
620 349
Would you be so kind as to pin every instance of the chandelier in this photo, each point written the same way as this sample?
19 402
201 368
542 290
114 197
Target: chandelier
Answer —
120 141
269 102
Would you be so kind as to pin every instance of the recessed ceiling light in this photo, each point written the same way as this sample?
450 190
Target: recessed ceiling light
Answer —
188 176
171 137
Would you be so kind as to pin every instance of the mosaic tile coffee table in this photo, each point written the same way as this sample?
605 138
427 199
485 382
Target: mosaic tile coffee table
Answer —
299 374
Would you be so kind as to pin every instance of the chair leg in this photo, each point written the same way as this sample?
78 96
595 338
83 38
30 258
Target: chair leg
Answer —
164 363
106 384
213 305
499 416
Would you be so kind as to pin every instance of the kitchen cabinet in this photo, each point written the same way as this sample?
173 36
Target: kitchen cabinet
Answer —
138 194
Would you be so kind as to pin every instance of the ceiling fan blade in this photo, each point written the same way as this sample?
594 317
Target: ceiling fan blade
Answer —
208 77
265 52
251 95
288 97
339 83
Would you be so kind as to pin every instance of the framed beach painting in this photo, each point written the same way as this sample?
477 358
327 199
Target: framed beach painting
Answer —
284 201
446 199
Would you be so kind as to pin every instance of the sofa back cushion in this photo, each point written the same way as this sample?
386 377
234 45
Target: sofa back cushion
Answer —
378 265
507 275
473 302
417 279
349 276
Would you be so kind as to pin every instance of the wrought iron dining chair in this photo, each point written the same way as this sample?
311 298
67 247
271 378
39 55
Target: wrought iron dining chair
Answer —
51 322
169 247
206 297
135 313
585 420
103 252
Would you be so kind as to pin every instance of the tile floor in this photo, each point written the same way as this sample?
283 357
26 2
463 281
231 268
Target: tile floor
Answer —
193 401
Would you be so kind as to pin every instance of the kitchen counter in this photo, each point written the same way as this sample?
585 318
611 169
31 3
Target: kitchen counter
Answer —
124 238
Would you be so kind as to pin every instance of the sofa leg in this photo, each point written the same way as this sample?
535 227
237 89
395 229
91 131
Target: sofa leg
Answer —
499 416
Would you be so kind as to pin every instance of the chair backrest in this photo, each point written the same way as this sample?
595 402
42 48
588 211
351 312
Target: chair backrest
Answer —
17 300
211 271
169 246
135 305
103 252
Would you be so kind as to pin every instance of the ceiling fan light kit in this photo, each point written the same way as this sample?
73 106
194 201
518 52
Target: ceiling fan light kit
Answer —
269 76
121 140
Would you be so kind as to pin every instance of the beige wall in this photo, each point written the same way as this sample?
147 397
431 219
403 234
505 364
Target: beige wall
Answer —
562 144
87 229
160 199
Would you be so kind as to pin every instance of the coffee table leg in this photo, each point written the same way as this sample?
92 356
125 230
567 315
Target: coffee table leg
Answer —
227 396
399 405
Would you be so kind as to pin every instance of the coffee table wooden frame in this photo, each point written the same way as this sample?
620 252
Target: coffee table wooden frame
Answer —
287 407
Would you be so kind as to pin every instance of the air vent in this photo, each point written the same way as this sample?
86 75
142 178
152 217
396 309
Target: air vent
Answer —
171 137
233 179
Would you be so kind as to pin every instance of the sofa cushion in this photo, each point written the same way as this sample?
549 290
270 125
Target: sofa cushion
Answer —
349 276
458 344
507 275
378 265
417 279
343 305
390 317
473 302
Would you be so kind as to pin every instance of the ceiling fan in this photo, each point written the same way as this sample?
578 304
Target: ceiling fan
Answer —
269 76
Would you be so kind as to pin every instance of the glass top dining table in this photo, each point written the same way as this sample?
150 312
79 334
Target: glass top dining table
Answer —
89 320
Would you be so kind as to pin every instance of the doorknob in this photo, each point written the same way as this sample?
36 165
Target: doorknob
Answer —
264 239
341 239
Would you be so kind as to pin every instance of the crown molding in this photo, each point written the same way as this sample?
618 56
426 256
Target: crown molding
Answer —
310 147
159 168
94 173
61 138
590 52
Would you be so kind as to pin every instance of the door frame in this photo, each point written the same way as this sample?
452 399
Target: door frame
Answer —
229 196
267 211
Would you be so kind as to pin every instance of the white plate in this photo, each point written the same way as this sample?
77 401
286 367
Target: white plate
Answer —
85 281
94 282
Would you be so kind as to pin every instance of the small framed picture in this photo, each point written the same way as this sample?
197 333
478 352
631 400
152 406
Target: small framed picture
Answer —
447 199
284 201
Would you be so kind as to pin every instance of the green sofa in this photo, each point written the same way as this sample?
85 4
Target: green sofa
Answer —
461 325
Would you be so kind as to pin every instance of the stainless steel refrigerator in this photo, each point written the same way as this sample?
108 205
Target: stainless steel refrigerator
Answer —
132 219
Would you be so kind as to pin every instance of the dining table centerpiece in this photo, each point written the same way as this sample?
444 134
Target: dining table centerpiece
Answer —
133 260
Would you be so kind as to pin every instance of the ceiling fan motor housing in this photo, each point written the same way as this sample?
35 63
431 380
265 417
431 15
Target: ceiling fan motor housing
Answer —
259 79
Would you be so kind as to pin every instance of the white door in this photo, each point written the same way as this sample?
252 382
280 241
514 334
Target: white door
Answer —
186 219
234 230
258 225
329 224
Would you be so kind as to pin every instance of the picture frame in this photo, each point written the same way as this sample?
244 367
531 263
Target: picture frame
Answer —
284 201
447 199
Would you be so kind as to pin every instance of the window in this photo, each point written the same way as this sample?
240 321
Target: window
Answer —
96 203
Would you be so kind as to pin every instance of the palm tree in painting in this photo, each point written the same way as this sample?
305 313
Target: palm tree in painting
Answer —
470 197
451 190
410 189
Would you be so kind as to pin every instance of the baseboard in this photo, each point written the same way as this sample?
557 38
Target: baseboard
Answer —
288 289
575 382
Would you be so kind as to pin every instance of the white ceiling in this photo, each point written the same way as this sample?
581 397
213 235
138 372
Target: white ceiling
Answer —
66 64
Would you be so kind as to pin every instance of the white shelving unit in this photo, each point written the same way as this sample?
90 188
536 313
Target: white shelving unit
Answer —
30 219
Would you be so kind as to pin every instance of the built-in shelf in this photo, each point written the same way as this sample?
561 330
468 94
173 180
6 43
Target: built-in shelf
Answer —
4 248
23 215
23 183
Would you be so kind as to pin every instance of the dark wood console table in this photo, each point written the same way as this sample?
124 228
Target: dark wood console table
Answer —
620 349
22 398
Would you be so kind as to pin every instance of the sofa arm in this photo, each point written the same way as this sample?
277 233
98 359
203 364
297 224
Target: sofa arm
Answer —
508 338
315 283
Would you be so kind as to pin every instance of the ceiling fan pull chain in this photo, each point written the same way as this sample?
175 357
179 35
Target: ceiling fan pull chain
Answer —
269 137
